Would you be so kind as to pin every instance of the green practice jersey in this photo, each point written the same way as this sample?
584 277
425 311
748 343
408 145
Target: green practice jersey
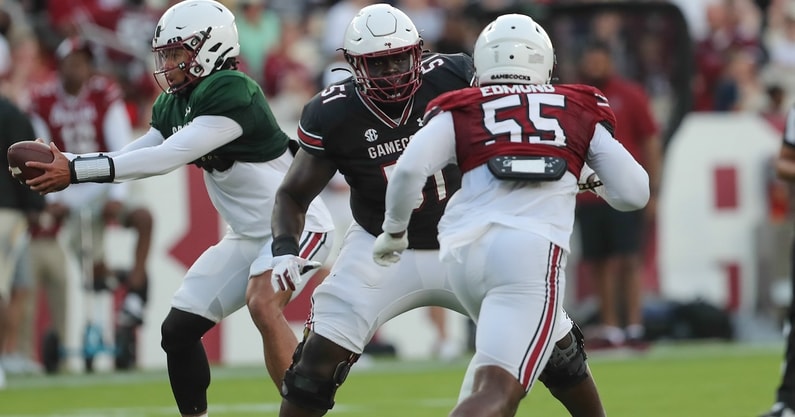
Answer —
230 94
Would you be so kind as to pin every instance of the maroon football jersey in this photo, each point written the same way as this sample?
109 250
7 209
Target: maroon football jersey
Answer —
524 120
75 122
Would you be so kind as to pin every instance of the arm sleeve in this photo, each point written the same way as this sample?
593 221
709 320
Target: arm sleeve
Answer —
116 127
431 149
152 137
626 182
117 131
201 136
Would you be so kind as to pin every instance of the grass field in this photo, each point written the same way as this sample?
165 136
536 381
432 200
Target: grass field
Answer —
670 381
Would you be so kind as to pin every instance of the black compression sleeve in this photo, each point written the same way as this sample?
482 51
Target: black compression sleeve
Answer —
284 245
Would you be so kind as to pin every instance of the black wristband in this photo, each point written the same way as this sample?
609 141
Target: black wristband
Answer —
72 173
284 245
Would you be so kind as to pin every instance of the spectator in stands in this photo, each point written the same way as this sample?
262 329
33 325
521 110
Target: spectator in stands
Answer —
259 29
428 17
18 207
83 111
775 111
48 257
727 33
740 88
337 19
458 32
612 241
17 352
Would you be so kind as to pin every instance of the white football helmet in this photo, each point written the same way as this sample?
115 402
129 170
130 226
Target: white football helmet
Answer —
514 49
206 29
377 31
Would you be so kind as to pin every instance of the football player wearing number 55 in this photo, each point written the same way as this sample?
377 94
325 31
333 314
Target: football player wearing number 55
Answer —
217 118
360 127
505 234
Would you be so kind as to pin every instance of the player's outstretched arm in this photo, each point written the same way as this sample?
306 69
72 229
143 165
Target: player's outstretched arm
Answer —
431 149
203 135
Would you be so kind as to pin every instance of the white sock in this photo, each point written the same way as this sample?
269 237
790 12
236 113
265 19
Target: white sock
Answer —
613 334
635 331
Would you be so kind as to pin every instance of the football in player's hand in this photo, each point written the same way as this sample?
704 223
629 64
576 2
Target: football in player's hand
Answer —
26 151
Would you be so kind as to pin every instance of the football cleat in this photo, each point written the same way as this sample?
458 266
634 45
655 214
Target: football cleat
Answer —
779 410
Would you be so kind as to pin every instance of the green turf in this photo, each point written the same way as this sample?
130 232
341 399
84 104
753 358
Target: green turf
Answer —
695 380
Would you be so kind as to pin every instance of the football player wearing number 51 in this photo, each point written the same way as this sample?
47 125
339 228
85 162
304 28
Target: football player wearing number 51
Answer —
360 127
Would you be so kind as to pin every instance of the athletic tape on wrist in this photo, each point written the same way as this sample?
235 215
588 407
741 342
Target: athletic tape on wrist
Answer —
92 169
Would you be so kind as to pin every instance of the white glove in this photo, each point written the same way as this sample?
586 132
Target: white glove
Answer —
387 249
287 271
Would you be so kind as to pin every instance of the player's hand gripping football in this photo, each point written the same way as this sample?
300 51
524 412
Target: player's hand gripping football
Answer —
56 176
387 248
287 271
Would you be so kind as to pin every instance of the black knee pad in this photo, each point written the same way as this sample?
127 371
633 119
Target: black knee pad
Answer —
567 366
181 330
309 391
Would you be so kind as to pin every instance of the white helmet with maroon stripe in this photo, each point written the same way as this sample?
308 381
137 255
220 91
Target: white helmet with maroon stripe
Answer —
514 49
205 28
378 31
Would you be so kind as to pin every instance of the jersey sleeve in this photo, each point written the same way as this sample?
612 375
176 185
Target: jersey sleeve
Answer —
603 112
310 135
157 121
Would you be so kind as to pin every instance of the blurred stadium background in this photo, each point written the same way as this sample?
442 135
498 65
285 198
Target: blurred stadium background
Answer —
717 266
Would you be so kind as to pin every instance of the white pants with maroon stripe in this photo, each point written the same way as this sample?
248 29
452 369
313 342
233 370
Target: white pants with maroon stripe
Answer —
215 285
358 295
512 283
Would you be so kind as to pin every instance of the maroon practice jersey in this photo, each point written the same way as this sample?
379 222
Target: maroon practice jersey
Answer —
524 120
365 143
76 122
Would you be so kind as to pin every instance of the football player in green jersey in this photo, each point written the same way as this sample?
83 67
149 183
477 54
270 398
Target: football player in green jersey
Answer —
218 119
